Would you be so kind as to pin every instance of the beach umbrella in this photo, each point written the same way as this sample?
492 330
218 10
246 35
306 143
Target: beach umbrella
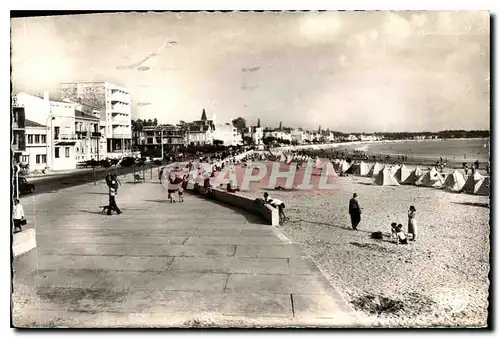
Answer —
385 177
430 179
454 182
482 187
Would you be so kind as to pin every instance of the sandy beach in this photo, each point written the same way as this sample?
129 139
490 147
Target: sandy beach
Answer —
439 280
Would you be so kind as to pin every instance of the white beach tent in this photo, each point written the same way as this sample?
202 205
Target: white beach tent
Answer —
282 158
432 178
344 166
376 169
330 170
364 169
385 177
482 187
394 169
454 181
404 175
289 159
417 172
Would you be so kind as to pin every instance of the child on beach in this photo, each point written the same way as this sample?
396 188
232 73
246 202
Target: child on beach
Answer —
400 235
412 222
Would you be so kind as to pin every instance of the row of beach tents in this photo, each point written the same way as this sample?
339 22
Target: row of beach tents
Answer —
394 175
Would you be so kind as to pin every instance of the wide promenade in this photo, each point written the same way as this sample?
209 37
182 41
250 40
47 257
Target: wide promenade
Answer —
159 264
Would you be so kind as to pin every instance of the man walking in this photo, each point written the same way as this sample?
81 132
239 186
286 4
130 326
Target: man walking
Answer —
112 202
18 216
354 211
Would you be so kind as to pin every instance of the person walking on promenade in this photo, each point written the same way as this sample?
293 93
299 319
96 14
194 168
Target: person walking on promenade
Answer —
112 198
354 211
160 174
412 222
18 216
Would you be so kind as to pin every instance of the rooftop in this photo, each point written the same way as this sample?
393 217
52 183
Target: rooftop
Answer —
33 124
80 114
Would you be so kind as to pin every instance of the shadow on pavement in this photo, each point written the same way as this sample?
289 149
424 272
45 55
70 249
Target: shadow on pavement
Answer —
483 205
92 212
251 218
97 193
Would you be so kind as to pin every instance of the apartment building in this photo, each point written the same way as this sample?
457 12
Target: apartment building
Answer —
114 104
226 133
88 136
18 145
59 117
256 134
149 138
278 134
36 146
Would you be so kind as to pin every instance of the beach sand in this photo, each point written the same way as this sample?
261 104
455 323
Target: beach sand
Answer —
439 280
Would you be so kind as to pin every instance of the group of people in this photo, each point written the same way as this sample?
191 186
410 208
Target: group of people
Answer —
397 232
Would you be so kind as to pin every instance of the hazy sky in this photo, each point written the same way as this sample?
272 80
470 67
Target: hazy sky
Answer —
347 71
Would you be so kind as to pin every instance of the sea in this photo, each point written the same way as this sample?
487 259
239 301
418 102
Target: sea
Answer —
456 150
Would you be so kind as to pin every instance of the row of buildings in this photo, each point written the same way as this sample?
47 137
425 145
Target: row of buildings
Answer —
91 120
208 131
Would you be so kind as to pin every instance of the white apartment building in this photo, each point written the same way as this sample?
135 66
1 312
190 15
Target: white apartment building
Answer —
226 133
36 145
88 136
278 134
255 133
114 103
59 118
298 136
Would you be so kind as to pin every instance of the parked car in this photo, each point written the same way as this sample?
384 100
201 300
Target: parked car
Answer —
25 187
127 161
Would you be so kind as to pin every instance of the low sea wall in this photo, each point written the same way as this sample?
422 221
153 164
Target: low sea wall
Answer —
23 242
266 211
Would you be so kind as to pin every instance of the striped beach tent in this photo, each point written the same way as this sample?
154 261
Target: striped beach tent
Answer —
470 182
454 182
404 175
432 178
482 187
385 177
376 169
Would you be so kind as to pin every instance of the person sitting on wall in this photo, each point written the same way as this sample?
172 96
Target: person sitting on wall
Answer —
231 188
276 203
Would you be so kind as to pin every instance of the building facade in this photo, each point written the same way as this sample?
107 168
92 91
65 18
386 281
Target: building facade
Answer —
149 139
36 146
202 131
114 104
18 145
226 133
88 136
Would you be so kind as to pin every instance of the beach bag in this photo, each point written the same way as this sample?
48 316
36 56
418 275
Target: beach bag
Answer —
377 235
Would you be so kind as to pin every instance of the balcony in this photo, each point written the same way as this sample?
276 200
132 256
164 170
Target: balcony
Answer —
120 136
120 121
65 137
95 134
81 134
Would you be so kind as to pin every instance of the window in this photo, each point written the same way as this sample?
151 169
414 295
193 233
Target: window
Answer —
66 151
26 159
43 138
38 159
37 138
30 138
57 152
44 158
56 132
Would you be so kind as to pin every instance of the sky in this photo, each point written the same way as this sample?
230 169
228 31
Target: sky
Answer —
346 71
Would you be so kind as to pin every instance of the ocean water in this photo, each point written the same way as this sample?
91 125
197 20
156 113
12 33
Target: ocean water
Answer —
460 150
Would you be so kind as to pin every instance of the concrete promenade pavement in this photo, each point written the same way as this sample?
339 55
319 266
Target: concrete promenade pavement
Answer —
196 263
